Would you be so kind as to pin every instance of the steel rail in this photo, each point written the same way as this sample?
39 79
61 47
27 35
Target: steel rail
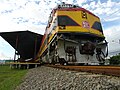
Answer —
105 70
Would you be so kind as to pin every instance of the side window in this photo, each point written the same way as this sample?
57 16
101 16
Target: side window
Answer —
61 20
66 21
97 26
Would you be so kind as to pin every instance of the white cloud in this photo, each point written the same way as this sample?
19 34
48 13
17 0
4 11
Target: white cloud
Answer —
2 43
6 51
39 29
26 14
107 11
3 56
113 36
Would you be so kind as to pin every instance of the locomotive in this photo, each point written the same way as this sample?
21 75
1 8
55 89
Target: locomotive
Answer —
73 35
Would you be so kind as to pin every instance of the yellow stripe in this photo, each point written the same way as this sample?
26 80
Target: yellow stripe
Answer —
77 17
45 47
52 34
78 29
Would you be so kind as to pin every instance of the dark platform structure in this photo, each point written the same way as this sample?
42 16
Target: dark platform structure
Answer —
25 43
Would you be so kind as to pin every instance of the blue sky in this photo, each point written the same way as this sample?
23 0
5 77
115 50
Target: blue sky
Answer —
19 15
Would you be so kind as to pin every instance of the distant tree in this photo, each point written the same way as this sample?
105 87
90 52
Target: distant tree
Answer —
115 60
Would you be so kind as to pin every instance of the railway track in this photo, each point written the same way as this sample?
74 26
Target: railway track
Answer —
105 70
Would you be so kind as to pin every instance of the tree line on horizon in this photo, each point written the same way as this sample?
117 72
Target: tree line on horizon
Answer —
115 60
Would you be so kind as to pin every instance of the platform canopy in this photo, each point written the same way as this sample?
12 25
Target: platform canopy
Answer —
26 43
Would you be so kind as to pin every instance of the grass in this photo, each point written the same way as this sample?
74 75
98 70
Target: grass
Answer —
10 78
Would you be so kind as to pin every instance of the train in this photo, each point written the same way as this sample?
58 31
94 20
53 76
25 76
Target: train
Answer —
73 35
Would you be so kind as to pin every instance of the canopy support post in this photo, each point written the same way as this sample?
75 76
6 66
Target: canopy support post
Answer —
16 46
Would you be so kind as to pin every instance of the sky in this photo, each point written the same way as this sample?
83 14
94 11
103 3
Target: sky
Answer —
32 15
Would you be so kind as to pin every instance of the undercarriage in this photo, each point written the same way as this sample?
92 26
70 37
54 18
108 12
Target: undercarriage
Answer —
77 51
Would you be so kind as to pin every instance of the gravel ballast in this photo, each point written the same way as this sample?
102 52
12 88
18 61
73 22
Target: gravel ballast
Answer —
47 78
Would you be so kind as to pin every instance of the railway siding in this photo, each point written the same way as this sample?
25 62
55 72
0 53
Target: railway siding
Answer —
48 78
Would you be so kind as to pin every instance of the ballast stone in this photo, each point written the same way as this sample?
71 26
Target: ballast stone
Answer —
47 78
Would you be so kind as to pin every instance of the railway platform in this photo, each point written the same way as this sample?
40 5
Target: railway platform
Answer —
23 65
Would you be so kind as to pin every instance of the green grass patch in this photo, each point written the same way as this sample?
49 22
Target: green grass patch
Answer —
10 78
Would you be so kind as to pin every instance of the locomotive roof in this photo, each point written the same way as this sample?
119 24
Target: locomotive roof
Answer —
70 7
25 42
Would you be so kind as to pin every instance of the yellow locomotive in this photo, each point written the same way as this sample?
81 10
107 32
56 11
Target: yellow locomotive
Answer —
73 35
